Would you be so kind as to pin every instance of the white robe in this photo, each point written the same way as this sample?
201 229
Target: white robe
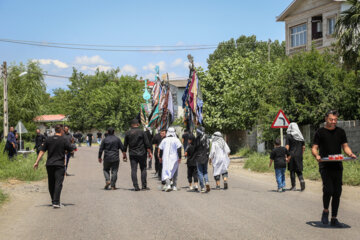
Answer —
170 157
219 158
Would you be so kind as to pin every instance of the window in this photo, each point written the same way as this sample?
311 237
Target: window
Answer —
331 25
298 35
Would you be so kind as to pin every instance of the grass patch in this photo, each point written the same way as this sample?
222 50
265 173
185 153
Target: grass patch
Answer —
3 197
244 152
20 168
258 162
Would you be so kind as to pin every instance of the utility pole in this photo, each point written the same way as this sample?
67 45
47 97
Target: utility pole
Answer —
6 114
269 49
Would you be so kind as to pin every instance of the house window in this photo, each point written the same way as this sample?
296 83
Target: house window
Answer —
331 25
298 35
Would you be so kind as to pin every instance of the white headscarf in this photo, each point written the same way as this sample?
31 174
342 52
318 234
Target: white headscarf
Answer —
217 137
171 132
294 131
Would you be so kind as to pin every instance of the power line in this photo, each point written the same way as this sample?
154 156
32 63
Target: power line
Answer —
109 50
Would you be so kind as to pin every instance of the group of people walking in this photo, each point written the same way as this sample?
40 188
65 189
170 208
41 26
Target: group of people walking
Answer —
328 140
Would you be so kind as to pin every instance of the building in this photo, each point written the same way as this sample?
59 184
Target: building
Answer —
46 123
310 23
177 88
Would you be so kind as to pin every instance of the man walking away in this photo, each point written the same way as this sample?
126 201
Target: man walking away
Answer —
201 154
11 143
150 137
111 146
138 144
156 141
90 137
56 146
68 137
170 156
39 140
329 140
99 137
185 138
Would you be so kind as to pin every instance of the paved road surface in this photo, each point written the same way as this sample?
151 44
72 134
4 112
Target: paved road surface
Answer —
250 209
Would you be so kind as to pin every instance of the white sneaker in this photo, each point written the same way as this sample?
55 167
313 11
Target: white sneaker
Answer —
57 205
168 188
174 188
203 190
196 188
191 188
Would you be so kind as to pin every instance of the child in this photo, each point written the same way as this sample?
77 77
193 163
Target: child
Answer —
191 163
279 156
219 158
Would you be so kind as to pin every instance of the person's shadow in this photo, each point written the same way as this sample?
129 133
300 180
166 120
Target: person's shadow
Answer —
318 224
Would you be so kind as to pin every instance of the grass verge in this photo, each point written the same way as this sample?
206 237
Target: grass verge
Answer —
258 162
3 197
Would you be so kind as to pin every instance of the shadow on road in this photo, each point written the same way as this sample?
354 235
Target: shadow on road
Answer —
50 205
318 224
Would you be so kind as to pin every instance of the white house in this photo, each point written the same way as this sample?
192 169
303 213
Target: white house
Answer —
310 23
177 88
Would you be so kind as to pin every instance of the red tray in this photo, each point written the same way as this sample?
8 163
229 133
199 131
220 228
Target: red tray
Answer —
343 160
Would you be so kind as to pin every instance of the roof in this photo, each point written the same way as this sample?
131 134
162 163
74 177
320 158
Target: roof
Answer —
179 83
50 118
293 5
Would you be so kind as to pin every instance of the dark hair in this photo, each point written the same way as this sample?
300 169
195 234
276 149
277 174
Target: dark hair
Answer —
134 121
58 128
66 126
333 112
111 131
277 142
191 137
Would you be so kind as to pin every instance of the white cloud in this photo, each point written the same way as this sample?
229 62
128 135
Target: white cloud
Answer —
180 43
151 66
187 64
128 69
150 76
100 67
55 62
177 62
94 60
173 75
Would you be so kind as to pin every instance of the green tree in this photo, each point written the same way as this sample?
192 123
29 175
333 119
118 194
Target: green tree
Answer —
348 35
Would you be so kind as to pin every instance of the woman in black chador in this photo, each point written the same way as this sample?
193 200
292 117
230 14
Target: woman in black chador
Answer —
296 146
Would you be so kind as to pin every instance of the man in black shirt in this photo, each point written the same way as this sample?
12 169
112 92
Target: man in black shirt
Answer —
67 135
138 144
150 137
99 136
156 141
39 140
89 139
185 138
56 146
329 140
111 146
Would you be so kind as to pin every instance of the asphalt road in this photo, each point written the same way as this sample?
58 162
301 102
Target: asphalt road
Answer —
249 209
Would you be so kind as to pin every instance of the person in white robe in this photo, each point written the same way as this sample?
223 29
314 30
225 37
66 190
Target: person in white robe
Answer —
219 158
170 156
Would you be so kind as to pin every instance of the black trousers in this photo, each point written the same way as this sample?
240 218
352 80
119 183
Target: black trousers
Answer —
292 177
112 167
157 162
55 182
332 188
134 161
192 173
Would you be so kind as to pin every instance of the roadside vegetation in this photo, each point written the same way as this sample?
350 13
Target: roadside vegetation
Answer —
3 197
259 162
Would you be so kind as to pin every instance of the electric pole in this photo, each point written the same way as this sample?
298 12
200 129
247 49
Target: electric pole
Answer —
6 115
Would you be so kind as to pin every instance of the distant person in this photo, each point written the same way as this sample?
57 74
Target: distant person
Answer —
99 137
10 146
150 137
295 144
56 146
219 158
201 154
192 173
156 141
279 155
330 140
138 144
170 157
110 146
18 142
185 138
39 140
90 137
67 135
80 138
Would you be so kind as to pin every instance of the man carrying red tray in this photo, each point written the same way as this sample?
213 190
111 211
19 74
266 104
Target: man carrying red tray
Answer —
329 140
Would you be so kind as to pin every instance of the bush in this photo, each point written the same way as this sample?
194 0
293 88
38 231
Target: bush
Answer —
20 168
3 197
260 163
244 152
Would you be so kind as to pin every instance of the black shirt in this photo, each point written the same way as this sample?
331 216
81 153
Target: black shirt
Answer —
56 147
150 137
68 136
330 143
111 145
191 161
201 151
157 140
90 136
279 154
137 141
99 135
185 138
39 139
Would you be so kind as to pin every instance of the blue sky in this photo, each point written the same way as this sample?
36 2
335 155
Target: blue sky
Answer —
111 22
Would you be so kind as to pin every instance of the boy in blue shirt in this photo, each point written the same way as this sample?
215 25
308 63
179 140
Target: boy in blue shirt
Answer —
279 156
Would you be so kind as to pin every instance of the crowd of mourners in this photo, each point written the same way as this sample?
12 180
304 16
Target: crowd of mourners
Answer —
167 152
